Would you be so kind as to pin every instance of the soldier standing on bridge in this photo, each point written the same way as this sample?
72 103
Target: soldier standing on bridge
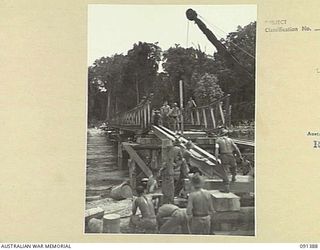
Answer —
191 104
164 112
225 148
174 115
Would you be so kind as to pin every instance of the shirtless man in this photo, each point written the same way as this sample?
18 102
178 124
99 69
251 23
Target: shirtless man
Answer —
225 148
200 208
147 222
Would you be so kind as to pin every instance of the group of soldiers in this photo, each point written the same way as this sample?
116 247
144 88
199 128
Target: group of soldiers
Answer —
177 168
170 117
170 219
198 216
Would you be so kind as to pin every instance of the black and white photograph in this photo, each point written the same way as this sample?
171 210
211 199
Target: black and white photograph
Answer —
171 120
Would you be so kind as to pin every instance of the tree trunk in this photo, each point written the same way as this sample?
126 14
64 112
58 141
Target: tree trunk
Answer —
108 105
137 91
116 105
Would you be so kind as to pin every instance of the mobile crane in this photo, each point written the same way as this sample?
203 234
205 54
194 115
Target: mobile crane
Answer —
231 60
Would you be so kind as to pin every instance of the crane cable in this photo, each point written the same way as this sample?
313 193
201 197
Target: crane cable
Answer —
212 25
187 33
234 58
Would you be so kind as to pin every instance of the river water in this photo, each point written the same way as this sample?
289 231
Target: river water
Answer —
102 171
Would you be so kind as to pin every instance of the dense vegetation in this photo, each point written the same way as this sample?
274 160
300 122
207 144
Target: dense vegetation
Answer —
117 83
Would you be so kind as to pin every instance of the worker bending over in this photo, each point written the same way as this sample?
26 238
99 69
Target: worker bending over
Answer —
172 220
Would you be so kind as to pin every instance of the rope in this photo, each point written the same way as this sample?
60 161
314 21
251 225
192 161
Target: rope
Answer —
210 24
187 34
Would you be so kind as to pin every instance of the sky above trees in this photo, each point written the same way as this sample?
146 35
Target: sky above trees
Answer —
113 29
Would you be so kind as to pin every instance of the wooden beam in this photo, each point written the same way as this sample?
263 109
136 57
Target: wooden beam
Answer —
244 142
228 117
167 133
149 113
212 117
144 117
198 117
132 172
120 155
207 167
135 118
154 159
137 159
204 118
137 146
191 116
167 179
235 187
221 113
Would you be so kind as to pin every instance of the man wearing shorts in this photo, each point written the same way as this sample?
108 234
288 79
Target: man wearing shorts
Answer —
225 148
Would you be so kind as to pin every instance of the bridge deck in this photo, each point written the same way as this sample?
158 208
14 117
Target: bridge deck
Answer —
204 161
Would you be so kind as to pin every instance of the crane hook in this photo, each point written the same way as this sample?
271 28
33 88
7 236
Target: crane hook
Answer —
191 14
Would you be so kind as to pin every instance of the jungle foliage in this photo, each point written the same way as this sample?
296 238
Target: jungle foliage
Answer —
117 83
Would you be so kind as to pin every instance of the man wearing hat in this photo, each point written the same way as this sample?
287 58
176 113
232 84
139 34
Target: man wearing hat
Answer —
225 148
200 208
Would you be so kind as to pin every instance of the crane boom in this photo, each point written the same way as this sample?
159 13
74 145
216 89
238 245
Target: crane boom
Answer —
231 60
